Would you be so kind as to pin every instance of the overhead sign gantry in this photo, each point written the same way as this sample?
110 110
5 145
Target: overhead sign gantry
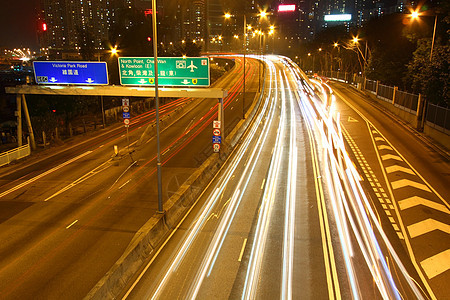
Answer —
172 71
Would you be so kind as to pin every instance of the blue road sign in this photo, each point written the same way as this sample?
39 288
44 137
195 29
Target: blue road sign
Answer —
70 72
126 115
216 139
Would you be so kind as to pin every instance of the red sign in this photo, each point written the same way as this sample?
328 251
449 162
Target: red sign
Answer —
216 147
216 132
286 7
126 121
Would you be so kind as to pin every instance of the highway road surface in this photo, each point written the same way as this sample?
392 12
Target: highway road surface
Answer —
288 216
67 217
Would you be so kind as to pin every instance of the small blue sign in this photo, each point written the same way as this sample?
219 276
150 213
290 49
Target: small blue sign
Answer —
217 139
71 72
126 115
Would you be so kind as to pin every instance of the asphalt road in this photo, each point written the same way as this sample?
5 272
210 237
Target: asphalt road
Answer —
408 177
66 218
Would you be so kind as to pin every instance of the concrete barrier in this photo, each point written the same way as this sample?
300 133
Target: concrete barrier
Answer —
150 237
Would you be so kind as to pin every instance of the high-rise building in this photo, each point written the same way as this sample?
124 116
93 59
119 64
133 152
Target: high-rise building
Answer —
72 23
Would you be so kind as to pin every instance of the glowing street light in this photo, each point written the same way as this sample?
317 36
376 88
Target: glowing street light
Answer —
114 50
414 16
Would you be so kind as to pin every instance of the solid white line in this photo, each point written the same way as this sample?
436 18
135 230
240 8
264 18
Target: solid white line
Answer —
67 227
262 184
43 174
242 250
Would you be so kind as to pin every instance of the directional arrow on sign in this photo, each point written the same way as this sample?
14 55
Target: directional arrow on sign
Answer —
89 80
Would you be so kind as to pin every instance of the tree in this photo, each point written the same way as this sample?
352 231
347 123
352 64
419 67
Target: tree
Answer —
431 78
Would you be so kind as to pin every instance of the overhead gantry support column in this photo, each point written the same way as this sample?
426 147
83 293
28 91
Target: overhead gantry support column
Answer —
221 119
19 119
27 118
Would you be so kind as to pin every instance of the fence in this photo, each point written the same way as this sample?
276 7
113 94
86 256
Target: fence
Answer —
436 116
17 153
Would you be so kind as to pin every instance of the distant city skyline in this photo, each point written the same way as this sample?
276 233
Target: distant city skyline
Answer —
19 19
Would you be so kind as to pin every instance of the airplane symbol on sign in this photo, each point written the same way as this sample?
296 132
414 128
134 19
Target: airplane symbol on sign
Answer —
89 80
192 66
53 79
185 81
142 81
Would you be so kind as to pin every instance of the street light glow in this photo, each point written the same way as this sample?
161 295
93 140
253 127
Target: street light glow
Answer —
355 39
414 14
227 15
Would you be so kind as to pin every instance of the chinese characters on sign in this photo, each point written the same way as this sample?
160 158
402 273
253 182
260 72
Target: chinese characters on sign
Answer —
172 71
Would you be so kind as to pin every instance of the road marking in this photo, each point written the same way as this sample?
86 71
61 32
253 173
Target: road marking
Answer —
124 184
384 147
406 182
242 250
390 156
379 139
67 227
396 168
81 179
43 174
351 120
415 200
426 226
436 264
262 184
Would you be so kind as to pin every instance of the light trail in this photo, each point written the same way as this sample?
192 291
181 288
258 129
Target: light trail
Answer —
225 222
350 205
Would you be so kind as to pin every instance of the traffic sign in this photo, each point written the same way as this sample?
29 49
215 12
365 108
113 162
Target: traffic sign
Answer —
216 147
172 71
216 124
216 139
125 108
125 102
216 132
126 121
70 72
126 115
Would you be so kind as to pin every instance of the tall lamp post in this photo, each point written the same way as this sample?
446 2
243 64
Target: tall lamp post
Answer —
227 16
414 16
158 148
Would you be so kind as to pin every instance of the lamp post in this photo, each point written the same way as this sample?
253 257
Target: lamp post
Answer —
227 16
415 15
158 148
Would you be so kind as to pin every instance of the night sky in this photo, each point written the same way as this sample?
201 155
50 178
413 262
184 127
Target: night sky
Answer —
17 24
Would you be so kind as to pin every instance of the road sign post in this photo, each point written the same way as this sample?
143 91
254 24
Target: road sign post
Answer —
171 71
71 72
126 117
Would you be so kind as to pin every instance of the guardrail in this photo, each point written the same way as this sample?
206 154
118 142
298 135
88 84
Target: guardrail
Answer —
17 153
437 117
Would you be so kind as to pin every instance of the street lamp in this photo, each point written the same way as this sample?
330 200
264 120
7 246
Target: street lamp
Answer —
414 16
158 147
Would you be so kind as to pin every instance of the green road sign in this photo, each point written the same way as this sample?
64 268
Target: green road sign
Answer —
172 71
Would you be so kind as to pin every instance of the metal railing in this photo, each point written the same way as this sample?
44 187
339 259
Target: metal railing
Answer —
14 154
436 116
